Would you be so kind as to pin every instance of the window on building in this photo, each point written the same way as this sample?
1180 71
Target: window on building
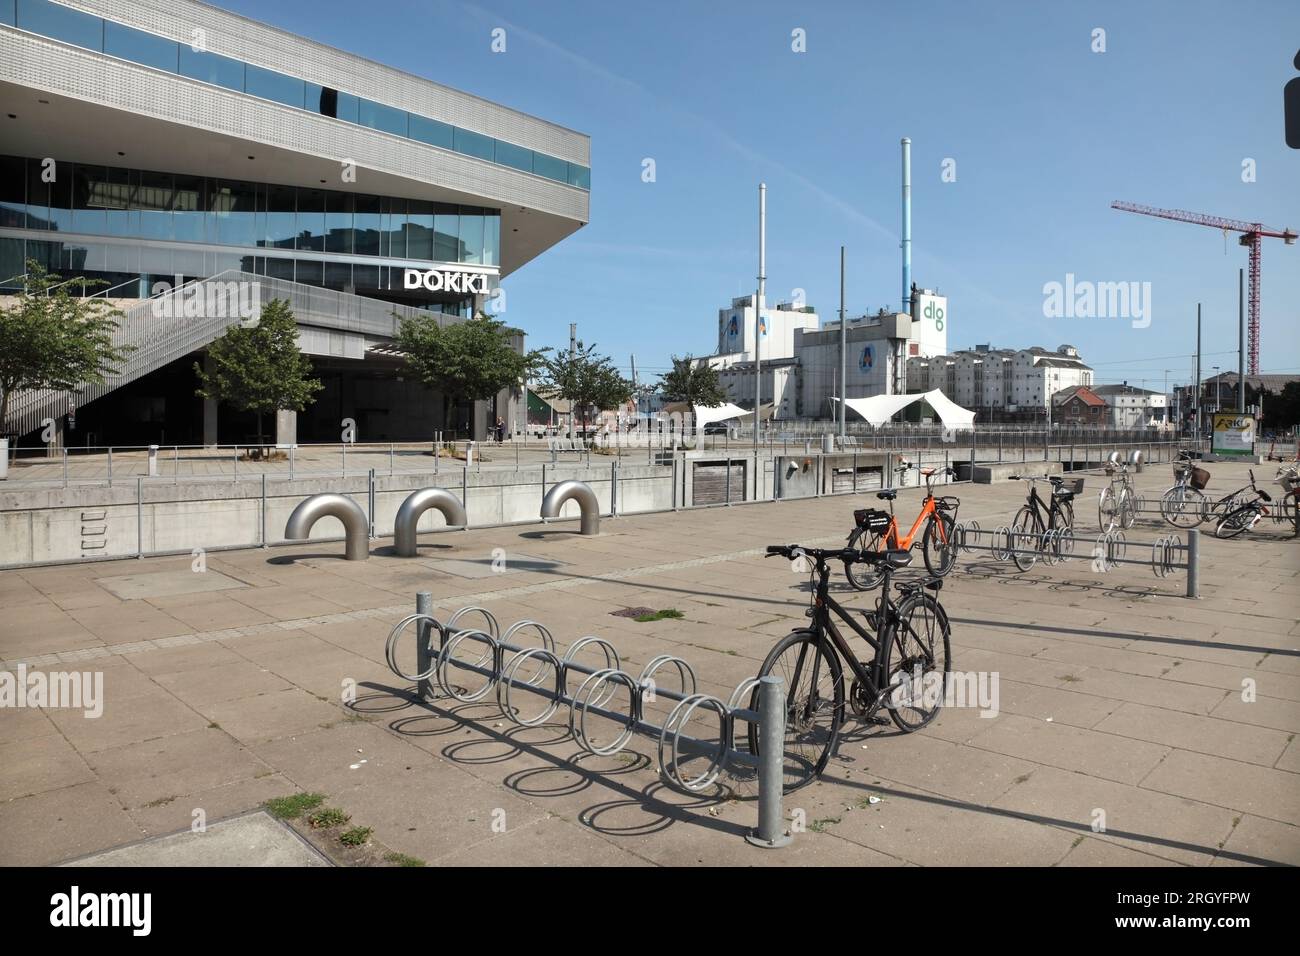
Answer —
386 119
473 144
446 234
430 131
270 85
516 157
61 23
211 68
140 47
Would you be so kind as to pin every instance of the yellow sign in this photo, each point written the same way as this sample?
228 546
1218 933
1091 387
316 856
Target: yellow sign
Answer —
1234 434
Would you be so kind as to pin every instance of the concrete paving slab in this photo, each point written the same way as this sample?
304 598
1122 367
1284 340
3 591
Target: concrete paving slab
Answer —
257 839
162 584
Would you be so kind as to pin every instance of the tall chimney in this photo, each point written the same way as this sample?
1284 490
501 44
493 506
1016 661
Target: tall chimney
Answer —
907 225
758 304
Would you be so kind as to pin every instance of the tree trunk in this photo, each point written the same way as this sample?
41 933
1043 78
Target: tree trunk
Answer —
4 411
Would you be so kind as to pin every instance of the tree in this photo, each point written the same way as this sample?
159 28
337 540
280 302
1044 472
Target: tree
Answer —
50 338
694 384
467 360
586 379
1281 409
259 368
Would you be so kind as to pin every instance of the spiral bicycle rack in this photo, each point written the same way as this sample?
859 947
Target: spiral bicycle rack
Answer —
1165 555
504 666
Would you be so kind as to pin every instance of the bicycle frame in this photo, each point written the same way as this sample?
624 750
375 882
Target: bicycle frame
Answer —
886 616
928 509
1042 508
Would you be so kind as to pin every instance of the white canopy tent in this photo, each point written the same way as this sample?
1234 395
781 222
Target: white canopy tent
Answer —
707 416
879 409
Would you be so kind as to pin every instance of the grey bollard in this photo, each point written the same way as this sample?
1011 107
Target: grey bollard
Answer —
771 832
405 538
579 491
345 509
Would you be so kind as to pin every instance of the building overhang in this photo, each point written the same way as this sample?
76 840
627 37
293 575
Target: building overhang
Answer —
81 106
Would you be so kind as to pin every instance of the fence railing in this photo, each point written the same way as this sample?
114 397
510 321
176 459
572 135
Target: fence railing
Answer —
98 464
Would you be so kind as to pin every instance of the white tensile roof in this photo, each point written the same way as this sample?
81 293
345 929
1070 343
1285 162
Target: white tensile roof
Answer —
879 409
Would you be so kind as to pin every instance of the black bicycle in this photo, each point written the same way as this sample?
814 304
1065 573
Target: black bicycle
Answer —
907 675
1036 517
1246 515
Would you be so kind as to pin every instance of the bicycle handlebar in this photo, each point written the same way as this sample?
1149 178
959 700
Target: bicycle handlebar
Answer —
847 555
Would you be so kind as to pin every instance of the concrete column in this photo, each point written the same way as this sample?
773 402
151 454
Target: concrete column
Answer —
209 412
286 427
480 421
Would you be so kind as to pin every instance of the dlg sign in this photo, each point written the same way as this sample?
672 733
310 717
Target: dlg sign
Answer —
930 324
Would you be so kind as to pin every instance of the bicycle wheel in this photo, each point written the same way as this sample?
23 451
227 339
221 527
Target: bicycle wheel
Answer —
1026 538
1127 508
1235 522
1065 511
919 662
1107 510
814 693
863 576
1183 507
939 554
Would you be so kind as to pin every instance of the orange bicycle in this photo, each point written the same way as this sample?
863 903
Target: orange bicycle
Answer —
878 531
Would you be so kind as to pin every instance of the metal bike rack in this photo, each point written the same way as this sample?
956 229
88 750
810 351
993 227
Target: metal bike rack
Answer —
312 509
502 660
1110 549
416 504
580 492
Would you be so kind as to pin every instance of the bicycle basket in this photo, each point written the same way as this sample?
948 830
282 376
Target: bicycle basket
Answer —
870 519
1200 478
1071 486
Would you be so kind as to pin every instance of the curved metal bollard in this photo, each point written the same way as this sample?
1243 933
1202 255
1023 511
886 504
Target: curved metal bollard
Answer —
415 505
579 491
310 510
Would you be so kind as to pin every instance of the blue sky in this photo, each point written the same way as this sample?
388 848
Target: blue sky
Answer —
1045 133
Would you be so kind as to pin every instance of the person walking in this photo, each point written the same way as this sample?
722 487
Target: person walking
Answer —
501 430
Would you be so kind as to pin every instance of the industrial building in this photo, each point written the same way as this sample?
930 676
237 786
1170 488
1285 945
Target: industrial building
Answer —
170 148
800 357
1000 384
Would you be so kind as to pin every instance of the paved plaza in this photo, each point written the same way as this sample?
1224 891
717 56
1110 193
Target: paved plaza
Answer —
1135 726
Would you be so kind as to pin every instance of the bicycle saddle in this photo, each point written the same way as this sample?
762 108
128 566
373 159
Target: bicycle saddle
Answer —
888 494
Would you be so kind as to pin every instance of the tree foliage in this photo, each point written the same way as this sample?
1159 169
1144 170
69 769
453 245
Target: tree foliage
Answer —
471 360
696 384
259 368
50 338
587 380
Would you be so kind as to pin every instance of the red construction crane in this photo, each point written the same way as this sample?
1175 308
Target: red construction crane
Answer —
1252 233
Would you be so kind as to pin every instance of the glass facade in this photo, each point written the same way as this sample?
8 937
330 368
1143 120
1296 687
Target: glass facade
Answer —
283 231
106 36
